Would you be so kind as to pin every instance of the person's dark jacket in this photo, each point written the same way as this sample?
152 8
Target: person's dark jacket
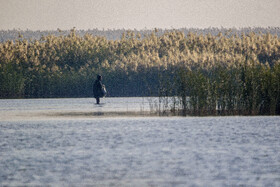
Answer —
97 89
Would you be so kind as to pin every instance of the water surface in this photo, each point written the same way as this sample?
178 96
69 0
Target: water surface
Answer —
28 109
39 146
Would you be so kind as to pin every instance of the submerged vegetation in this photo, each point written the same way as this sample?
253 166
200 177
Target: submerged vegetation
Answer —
223 74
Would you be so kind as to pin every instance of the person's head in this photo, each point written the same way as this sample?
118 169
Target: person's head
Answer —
99 77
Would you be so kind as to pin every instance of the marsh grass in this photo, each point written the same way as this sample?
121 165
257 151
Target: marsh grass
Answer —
206 74
246 90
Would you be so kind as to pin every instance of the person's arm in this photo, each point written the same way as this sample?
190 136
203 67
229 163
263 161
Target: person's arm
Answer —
99 85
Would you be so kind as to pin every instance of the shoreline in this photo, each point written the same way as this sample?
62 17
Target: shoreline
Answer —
9 116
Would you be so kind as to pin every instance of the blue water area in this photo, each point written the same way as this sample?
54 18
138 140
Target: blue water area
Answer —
140 151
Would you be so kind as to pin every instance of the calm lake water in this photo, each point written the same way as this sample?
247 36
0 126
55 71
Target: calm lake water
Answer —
19 109
74 142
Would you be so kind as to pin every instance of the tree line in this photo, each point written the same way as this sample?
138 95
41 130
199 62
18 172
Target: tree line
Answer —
116 34
226 73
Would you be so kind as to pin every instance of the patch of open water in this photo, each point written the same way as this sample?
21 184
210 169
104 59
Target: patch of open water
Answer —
133 151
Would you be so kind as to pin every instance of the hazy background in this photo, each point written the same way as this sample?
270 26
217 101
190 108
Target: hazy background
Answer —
137 14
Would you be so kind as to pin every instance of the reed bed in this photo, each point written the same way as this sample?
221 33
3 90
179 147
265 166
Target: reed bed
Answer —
223 74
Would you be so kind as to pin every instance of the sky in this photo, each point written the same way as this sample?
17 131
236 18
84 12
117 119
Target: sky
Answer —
137 14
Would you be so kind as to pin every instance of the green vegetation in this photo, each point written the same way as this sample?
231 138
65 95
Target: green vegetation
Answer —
221 74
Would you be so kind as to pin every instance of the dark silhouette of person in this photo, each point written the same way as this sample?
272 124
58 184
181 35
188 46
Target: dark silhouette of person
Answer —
97 89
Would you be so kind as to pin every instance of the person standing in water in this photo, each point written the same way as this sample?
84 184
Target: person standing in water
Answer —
98 89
